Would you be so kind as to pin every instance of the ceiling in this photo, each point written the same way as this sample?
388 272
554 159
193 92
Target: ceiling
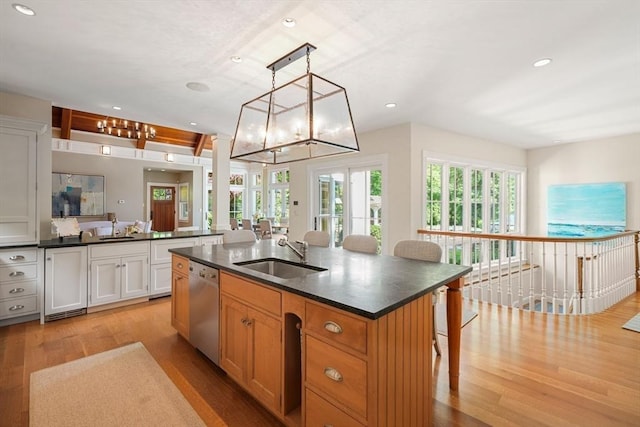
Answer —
463 66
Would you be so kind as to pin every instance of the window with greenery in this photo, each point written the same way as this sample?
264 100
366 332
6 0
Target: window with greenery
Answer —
278 207
236 195
162 194
476 199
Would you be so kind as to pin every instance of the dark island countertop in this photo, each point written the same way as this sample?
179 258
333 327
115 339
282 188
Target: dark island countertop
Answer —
363 284
136 237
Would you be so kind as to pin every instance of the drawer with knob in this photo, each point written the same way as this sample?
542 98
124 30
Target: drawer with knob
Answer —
337 374
17 256
15 290
321 413
18 272
180 265
337 327
18 306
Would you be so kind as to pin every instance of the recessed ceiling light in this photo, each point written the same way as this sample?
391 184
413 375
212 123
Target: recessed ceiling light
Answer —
236 59
542 62
198 87
391 105
193 123
289 22
115 107
25 10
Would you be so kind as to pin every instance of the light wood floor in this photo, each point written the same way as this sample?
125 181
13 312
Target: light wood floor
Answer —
517 369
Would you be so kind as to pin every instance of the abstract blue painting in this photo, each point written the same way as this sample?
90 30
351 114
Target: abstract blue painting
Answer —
586 210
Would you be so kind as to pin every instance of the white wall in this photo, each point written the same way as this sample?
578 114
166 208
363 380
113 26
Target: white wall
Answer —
603 160
40 111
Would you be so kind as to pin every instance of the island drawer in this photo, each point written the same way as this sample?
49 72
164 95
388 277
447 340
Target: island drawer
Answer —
180 265
18 289
338 374
256 295
321 413
18 256
337 327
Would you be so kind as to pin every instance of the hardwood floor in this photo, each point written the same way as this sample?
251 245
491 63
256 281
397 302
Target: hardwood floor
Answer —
517 368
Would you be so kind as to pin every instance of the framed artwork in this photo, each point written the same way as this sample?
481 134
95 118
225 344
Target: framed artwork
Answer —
586 210
77 195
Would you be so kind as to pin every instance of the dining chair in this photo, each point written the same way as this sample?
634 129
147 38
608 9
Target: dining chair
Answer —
317 238
234 223
237 236
360 243
266 231
247 225
423 250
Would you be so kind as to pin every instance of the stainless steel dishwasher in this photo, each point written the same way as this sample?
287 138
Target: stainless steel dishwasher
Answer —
204 309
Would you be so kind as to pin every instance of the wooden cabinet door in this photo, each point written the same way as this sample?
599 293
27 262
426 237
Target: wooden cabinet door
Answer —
180 304
134 271
234 338
105 281
264 358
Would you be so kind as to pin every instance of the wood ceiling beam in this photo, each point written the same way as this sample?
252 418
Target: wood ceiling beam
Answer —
202 139
65 125
142 141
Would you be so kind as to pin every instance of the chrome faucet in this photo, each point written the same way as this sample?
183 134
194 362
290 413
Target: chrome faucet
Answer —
114 221
302 252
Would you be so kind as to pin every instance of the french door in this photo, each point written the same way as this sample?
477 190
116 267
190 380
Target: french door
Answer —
348 201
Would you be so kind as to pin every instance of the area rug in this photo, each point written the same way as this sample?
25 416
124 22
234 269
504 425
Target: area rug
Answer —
633 324
120 387
441 317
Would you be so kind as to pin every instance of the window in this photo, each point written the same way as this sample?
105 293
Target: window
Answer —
476 199
236 195
278 207
256 195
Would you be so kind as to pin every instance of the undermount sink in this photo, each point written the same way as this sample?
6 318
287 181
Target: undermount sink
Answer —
280 268
116 237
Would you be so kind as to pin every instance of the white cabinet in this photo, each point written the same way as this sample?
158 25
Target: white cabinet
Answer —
161 260
65 281
18 282
18 175
118 271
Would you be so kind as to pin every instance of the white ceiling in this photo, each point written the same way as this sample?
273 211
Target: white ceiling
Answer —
464 66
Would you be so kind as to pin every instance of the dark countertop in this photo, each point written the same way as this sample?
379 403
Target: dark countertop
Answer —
136 237
367 285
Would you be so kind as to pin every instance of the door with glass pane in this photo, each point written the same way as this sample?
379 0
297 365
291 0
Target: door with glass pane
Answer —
163 210
352 206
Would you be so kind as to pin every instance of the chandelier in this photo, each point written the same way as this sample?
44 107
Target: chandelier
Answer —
306 118
126 129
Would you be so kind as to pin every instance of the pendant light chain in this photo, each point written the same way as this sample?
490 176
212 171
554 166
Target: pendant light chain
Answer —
308 60
273 79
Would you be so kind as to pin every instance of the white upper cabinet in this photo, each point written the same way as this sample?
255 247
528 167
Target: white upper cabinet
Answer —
18 174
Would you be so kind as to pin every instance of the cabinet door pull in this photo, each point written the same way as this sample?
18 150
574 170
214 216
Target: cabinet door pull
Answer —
16 290
16 273
16 307
16 257
333 374
333 327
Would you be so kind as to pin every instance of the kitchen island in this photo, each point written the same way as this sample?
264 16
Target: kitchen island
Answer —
346 343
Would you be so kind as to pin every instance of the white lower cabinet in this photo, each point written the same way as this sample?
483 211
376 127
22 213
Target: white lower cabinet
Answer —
65 281
18 282
118 272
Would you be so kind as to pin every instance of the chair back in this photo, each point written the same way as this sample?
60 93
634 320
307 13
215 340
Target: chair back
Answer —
317 238
237 236
246 224
418 249
360 243
265 229
234 223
